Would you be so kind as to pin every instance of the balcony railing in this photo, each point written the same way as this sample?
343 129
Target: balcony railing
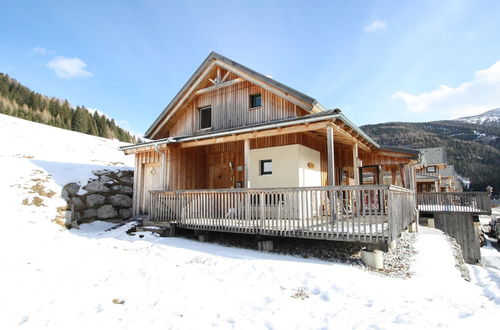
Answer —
370 213
456 202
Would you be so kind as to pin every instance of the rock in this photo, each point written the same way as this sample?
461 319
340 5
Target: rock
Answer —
127 180
121 200
105 179
65 196
77 203
68 217
100 172
127 173
95 199
123 189
106 212
95 186
89 213
125 213
71 189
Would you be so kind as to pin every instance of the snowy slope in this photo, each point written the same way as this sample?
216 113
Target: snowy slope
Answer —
58 279
489 117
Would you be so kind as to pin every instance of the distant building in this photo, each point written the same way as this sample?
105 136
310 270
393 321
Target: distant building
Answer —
435 174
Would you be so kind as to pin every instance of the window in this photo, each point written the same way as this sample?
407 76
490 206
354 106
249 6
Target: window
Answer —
255 100
431 169
266 167
205 117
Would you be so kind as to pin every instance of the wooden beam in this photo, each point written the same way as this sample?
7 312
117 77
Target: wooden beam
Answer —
255 135
246 160
331 154
225 77
355 162
217 86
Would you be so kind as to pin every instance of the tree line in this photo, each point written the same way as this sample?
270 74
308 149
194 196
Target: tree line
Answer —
19 101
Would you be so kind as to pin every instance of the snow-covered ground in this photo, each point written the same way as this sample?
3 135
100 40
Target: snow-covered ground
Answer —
489 252
58 279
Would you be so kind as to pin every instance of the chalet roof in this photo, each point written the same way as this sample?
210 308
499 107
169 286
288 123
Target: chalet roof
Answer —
410 151
433 156
448 171
314 117
212 57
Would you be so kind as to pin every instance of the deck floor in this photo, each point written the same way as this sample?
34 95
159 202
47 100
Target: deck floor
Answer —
350 229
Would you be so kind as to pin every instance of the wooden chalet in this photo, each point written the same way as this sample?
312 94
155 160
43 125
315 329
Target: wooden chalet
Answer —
434 174
236 151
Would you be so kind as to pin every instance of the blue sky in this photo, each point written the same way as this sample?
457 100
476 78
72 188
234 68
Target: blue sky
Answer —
376 60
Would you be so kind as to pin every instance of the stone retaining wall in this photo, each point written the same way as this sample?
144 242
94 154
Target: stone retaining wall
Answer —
108 197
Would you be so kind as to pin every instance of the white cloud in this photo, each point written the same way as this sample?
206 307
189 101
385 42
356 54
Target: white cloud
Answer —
41 51
469 98
69 67
376 26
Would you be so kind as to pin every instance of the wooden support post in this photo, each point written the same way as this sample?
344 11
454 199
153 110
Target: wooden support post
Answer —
331 155
380 174
246 156
355 164
169 166
135 196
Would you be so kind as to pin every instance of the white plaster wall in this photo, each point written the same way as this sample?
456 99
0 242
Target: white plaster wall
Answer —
289 167
309 177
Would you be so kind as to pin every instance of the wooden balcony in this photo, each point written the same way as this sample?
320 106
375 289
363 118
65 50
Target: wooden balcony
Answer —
454 202
370 213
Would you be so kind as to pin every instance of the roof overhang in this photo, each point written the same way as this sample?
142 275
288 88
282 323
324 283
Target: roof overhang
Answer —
280 127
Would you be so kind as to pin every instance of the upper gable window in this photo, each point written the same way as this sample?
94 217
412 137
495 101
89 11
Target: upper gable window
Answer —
255 100
205 117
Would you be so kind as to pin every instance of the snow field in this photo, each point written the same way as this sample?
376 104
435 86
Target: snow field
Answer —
59 279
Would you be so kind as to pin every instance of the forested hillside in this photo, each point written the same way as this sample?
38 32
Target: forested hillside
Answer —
19 101
474 149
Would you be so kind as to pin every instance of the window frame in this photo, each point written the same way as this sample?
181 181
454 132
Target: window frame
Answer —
427 169
262 171
251 98
200 111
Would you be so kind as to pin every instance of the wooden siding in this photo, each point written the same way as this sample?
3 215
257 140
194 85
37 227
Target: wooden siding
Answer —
461 228
230 108
140 160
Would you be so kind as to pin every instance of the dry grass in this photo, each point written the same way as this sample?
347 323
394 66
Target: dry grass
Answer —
36 201
40 190
23 156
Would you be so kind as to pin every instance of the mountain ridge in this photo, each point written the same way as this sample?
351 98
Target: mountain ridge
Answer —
485 118
473 148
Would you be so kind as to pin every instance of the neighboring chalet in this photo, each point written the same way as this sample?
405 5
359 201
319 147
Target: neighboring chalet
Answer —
443 205
435 174
237 151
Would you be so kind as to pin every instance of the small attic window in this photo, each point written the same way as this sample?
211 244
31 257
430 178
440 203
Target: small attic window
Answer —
205 117
255 100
